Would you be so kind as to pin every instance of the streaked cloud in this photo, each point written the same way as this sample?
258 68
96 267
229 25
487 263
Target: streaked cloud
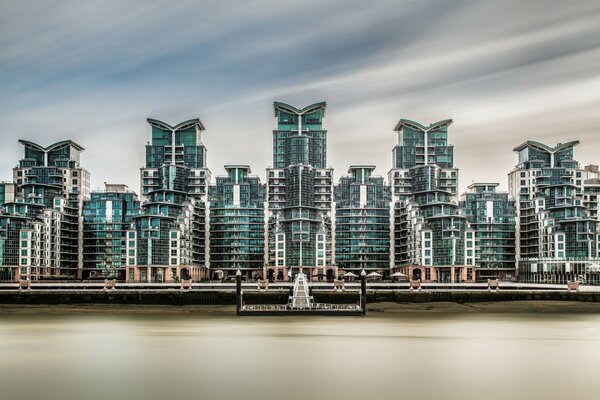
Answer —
505 71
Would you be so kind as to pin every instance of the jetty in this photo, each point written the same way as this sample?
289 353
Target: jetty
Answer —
301 302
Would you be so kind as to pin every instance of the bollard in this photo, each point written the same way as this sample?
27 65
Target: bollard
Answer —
415 284
493 284
238 292
363 292
24 284
573 286
186 284
109 284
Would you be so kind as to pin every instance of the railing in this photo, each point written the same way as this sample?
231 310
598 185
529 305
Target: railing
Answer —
313 306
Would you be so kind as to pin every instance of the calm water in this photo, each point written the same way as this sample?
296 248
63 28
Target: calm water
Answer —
222 357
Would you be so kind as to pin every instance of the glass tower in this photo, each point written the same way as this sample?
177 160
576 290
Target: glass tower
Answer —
492 215
168 239
50 187
362 221
237 224
106 219
7 192
432 240
557 234
300 189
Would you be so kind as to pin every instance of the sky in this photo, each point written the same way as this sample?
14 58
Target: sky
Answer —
505 71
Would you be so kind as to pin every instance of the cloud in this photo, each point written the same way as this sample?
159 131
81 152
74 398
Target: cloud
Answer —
505 71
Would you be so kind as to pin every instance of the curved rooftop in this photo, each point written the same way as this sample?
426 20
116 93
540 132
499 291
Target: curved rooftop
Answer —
299 111
545 147
54 146
354 167
195 122
421 127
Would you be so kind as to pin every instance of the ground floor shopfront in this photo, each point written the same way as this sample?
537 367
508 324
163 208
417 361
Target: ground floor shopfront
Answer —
438 274
165 274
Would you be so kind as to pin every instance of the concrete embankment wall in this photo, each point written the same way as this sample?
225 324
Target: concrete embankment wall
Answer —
155 297
278 297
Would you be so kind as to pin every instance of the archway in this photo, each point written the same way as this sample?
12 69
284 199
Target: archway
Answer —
330 275
416 274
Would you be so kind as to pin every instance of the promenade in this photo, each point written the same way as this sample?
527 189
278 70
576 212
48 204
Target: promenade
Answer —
216 286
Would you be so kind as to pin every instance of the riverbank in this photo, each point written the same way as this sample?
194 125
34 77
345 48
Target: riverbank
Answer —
388 308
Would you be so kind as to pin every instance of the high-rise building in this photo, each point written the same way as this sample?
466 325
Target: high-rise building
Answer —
432 240
237 224
107 216
299 194
557 237
591 190
168 241
45 215
7 192
492 215
362 222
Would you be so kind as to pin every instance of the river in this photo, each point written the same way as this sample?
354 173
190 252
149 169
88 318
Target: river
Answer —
218 356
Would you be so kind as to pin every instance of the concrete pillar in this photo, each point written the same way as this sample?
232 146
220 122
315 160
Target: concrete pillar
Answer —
238 292
363 292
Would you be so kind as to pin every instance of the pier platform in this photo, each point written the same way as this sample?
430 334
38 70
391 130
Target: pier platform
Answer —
301 303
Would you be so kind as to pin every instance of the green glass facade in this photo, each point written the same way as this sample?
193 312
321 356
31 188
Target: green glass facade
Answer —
300 191
492 215
106 219
183 226
49 190
7 193
432 239
554 221
362 221
168 239
237 223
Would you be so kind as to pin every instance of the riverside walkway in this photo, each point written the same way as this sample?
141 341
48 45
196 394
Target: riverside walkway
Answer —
315 286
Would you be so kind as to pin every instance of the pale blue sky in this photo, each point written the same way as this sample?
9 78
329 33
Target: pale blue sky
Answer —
504 70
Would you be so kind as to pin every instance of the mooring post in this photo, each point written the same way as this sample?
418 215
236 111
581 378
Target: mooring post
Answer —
363 292
238 292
